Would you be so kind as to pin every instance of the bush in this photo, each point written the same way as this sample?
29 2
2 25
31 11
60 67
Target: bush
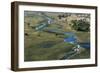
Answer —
80 25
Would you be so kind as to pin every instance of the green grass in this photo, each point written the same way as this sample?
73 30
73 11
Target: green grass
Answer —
41 45
37 51
83 55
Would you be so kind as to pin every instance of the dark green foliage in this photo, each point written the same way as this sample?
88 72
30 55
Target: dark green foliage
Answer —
80 25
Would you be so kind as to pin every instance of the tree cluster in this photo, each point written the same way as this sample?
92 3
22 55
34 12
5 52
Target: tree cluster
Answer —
80 25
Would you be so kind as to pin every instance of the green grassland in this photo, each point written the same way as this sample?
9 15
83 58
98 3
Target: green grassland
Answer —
40 45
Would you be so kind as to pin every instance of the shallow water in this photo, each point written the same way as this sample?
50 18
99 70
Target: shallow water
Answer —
85 45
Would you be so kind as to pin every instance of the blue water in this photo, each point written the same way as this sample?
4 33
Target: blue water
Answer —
73 40
70 40
85 45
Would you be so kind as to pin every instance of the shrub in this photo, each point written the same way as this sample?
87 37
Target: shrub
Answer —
80 25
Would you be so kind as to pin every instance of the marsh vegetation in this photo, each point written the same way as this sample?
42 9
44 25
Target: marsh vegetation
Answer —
40 45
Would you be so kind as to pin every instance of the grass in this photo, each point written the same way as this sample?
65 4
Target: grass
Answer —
41 45
83 55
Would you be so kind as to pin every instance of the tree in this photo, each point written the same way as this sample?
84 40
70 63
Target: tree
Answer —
80 25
